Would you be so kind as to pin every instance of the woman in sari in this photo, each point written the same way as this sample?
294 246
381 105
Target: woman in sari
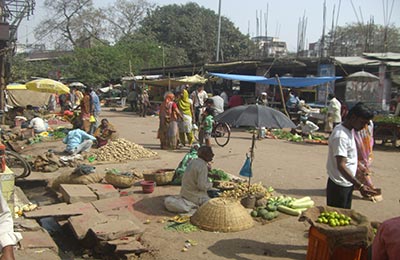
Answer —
364 142
104 133
185 124
168 128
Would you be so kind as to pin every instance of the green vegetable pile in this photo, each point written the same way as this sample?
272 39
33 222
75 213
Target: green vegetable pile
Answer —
280 134
223 176
181 227
387 119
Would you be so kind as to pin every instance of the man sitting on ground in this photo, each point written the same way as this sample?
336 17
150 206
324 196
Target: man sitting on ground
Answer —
78 140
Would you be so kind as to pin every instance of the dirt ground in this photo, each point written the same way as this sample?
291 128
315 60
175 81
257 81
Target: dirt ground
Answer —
291 168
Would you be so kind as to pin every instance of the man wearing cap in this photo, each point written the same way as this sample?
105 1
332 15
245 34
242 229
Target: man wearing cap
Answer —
263 99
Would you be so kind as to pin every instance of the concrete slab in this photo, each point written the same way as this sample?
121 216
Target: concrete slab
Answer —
61 209
104 191
73 193
38 239
36 254
116 229
113 203
24 224
80 225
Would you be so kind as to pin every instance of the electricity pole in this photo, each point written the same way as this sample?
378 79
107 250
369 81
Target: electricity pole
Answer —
219 29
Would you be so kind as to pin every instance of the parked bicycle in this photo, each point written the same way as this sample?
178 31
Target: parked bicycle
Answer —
221 132
14 161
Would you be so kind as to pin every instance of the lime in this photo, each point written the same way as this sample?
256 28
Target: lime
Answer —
342 222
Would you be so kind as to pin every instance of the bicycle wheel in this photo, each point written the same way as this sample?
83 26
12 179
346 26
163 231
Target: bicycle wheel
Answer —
17 164
222 134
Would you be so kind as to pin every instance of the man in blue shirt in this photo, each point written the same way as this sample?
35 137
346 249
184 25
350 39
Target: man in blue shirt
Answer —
78 140
96 111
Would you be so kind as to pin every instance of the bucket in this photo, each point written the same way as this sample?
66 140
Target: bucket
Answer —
147 186
248 202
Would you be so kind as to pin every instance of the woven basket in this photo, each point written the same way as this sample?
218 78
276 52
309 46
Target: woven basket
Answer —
119 181
160 177
222 215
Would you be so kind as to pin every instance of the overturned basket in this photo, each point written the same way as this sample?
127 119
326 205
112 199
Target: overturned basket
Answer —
160 177
119 181
222 215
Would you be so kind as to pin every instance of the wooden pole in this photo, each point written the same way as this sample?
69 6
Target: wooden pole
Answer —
253 142
282 97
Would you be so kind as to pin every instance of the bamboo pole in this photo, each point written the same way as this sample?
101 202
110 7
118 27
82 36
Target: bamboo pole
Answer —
282 97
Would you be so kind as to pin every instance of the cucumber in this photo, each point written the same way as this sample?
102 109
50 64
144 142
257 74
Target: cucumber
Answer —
304 199
304 204
289 211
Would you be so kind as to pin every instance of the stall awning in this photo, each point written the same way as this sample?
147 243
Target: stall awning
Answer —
293 82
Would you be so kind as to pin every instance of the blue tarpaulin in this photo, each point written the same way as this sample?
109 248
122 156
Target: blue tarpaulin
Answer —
293 82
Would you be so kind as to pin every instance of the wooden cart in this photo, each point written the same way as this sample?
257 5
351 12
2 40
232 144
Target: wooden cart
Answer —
386 132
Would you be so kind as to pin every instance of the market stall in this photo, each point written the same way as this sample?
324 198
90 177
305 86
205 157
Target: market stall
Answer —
387 129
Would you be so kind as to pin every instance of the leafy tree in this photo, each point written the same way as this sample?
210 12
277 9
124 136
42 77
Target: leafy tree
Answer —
124 17
22 70
354 39
70 23
194 29
95 65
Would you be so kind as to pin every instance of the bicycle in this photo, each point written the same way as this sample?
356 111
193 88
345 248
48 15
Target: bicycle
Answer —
14 161
221 132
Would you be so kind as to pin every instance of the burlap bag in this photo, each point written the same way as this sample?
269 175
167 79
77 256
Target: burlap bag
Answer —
358 234
68 178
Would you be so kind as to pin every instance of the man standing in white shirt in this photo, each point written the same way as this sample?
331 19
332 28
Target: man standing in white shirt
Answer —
225 97
8 238
342 159
199 97
334 110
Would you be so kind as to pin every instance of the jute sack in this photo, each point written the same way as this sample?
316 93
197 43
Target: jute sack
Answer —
68 178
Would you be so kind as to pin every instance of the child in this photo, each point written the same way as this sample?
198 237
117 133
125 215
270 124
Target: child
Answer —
207 125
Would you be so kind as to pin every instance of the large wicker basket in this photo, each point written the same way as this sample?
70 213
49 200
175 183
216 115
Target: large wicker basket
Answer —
119 181
160 177
222 215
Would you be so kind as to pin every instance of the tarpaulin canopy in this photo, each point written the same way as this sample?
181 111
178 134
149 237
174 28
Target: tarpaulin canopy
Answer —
15 86
293 82
174 82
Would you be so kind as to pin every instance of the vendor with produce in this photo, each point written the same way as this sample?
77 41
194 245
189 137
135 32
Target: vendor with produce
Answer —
78 140
105 132
342 159
195 182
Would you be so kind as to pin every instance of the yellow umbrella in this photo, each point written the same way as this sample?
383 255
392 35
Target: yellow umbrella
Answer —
15 86
47 86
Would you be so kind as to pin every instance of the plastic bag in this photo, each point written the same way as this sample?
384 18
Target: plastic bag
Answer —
246 168
92 119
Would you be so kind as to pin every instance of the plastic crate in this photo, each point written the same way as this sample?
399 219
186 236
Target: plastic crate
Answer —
318 249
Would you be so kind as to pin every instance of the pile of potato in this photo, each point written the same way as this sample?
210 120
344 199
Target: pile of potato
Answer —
242 190
122 150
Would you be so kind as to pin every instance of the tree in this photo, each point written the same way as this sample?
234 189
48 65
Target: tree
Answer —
194 29
22 70
124 17
95 65
354 39
71 23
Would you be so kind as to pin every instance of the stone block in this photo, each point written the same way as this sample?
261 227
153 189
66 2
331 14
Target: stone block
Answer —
73 193
104 191
112 230
113 203
61 210
38 239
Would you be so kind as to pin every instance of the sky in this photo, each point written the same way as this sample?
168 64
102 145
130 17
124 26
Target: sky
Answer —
283 15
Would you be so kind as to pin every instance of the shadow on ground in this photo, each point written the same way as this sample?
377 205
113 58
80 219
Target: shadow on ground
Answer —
302 192
244 249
